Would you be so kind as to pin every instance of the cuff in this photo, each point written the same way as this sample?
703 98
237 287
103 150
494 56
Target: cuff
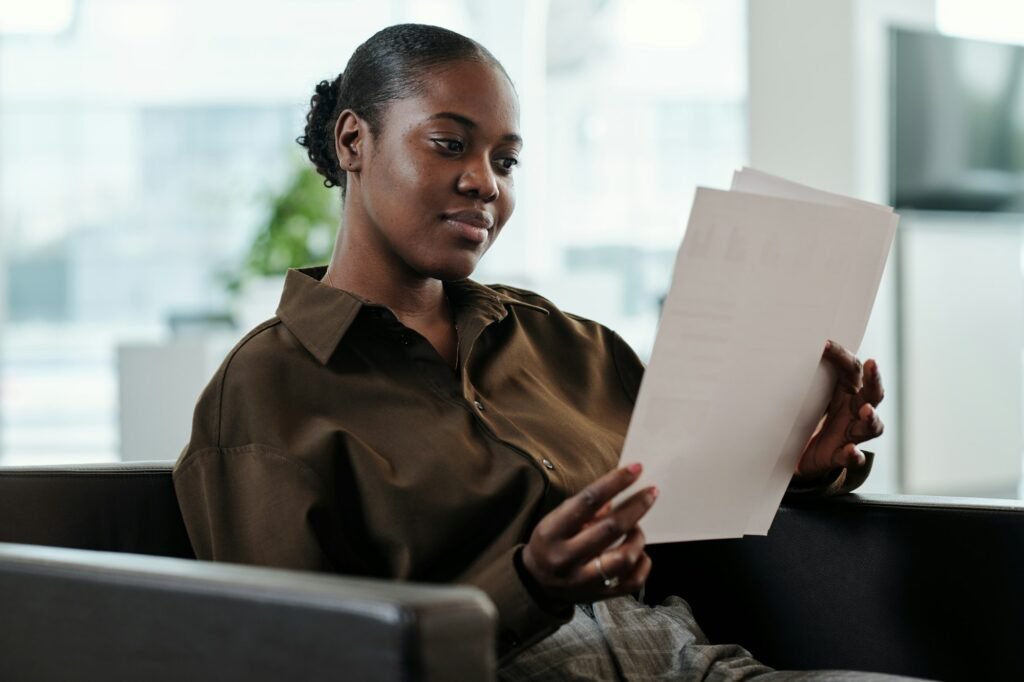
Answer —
835 482
522 618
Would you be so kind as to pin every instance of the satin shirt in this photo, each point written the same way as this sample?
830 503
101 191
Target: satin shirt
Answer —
334 438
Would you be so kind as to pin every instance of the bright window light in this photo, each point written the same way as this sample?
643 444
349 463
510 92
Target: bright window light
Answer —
37 17
997 20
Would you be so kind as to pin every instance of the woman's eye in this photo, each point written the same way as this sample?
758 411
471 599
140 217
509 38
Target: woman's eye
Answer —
508 163
453 146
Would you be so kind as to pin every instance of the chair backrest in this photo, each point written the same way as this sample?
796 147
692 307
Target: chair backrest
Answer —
929 587
127 507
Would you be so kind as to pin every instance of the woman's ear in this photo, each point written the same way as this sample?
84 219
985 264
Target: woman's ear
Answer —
349 133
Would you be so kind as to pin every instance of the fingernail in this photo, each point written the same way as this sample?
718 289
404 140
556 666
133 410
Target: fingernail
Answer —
652 495
635 468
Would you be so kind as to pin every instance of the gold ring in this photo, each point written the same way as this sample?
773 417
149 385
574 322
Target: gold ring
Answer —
608 582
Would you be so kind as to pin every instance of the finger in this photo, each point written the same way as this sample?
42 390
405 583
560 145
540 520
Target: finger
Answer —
851 371
849 456
629 582
635 580
570 516
621 560
615 563
868 425
601 513
873 392
621 521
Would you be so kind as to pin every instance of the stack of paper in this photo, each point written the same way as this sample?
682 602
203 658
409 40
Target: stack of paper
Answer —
766 273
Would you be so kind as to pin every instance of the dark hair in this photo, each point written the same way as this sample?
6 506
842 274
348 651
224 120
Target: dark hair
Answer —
387 67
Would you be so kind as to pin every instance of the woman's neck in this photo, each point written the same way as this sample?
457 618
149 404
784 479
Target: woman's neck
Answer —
363 271
363 266
419 303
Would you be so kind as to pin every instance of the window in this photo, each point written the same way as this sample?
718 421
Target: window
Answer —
141 145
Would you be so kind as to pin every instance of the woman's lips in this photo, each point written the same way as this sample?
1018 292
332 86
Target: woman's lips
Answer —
471 225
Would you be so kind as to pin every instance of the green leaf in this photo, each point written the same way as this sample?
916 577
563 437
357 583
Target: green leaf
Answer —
293 235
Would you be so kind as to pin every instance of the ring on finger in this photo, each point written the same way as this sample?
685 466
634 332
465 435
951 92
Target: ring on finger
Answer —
608 582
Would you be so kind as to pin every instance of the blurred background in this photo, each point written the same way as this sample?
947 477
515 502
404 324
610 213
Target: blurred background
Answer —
152 194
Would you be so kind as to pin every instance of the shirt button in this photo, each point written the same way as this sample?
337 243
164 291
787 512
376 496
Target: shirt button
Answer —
478 405
547 462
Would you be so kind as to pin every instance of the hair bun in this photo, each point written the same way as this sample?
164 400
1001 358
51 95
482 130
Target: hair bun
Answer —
319 146
323 88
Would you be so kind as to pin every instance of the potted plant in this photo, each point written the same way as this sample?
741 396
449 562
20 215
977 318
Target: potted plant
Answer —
299 231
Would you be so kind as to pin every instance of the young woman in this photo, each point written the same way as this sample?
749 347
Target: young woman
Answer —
397 419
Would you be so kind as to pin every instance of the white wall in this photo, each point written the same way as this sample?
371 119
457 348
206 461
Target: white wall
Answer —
962 339
818 112
158 385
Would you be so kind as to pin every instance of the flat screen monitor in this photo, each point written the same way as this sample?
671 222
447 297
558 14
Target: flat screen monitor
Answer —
957 123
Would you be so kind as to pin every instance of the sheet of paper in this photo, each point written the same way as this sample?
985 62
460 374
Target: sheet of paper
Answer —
849 329
754 295
881 219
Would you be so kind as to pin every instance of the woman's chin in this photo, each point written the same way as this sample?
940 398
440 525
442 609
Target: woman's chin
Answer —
453 268
454 274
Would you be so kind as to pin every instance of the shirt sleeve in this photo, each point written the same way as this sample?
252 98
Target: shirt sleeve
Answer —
252 505
523 618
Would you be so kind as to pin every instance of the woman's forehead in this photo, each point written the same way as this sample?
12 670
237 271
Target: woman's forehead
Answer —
476 95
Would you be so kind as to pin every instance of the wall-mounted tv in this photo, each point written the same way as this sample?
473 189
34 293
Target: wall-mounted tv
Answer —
957 123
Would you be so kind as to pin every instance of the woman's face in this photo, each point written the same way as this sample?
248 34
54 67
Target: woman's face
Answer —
435 187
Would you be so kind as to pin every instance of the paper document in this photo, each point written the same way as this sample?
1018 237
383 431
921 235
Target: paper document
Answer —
757 182
766 273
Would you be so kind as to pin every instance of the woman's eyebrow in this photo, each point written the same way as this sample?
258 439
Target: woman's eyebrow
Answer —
471 124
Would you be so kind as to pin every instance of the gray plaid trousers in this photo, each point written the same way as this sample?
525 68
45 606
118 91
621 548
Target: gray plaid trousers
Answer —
622 640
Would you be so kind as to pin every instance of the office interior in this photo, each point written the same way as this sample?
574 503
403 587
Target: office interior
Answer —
147 167
143 145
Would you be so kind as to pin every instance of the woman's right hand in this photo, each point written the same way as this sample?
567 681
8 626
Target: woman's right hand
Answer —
571 546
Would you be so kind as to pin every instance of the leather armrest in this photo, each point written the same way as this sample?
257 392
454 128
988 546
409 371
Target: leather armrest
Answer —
73 614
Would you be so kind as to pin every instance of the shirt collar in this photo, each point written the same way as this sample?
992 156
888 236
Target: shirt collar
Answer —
319 314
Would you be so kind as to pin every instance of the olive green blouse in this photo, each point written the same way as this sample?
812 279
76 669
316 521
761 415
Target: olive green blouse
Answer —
334 438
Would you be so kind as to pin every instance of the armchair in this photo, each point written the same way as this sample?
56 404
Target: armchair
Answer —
98 581
117 595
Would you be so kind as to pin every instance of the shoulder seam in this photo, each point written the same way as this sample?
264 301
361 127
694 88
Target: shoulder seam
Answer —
260 448
227 364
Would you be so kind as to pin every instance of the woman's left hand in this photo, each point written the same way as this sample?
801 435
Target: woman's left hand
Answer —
850 419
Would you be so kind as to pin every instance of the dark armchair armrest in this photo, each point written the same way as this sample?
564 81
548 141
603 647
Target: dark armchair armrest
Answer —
70 614
932 587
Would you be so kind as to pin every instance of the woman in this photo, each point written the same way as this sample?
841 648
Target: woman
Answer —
397 419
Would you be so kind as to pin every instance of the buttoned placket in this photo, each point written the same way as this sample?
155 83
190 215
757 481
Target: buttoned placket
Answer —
491 422
457 384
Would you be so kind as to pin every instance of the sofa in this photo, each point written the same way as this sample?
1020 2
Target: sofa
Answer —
98 582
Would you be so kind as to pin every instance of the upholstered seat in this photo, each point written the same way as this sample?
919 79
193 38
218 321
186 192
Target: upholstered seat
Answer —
918 586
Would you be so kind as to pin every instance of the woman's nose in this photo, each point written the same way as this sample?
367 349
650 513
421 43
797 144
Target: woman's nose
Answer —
479 180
